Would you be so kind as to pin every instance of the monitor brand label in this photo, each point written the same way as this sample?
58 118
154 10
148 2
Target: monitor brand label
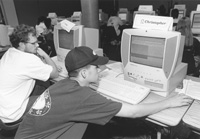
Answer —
153 22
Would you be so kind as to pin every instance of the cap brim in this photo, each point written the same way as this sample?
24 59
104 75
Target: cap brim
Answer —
100 61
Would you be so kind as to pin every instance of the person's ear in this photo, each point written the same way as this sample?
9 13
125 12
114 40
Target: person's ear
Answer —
22 46
83 73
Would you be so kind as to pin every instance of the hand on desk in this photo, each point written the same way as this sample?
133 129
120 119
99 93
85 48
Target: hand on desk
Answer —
179 100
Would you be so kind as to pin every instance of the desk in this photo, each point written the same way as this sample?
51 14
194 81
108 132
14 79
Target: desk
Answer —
168 117
165 118
192 116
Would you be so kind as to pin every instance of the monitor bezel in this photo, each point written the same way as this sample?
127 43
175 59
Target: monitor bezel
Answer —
123 12
193 13
77 41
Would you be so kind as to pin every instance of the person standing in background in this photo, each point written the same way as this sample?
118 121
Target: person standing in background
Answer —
184 27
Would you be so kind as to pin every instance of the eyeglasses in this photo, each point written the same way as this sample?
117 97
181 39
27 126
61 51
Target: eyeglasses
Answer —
34 43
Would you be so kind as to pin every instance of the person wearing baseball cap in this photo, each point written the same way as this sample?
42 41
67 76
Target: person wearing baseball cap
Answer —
70 104
84 58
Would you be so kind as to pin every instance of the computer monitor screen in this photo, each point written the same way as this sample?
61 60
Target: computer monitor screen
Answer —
64 41
153 58
147 50
181 14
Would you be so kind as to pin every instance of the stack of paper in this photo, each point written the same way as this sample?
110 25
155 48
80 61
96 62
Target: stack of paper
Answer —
191 88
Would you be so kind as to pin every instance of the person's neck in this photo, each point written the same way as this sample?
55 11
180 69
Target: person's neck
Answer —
80 81
20 48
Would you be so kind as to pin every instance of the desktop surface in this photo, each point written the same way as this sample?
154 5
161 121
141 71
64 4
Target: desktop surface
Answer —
167 117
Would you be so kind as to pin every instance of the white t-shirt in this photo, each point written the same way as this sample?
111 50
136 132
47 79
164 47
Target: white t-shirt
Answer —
18 71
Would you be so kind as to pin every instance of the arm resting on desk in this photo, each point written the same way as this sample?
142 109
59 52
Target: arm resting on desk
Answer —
49 61
140 110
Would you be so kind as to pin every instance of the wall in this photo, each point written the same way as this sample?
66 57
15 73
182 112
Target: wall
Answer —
29 10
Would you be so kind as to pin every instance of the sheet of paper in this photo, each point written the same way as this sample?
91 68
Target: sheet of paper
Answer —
67 25
193 89
117 67
108 73
190 88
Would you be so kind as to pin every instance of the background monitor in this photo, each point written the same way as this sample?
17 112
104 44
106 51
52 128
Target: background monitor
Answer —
64 41
153 58
195 22
91 39
5 31
182 13
123 14
76 17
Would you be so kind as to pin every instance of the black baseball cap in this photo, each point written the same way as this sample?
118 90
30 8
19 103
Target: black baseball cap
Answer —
82 56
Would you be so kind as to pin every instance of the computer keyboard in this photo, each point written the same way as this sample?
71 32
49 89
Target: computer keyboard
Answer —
120 89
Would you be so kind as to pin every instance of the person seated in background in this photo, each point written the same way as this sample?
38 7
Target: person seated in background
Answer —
111 38
53 17
20 67
196 44
71 101
44 31
174 14
161 10
184 26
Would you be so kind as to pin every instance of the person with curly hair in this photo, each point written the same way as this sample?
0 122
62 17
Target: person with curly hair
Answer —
20 67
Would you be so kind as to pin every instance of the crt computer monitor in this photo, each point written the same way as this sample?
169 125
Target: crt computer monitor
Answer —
153 58
91 39
195 22
64 41
182 13
76 17
123 16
